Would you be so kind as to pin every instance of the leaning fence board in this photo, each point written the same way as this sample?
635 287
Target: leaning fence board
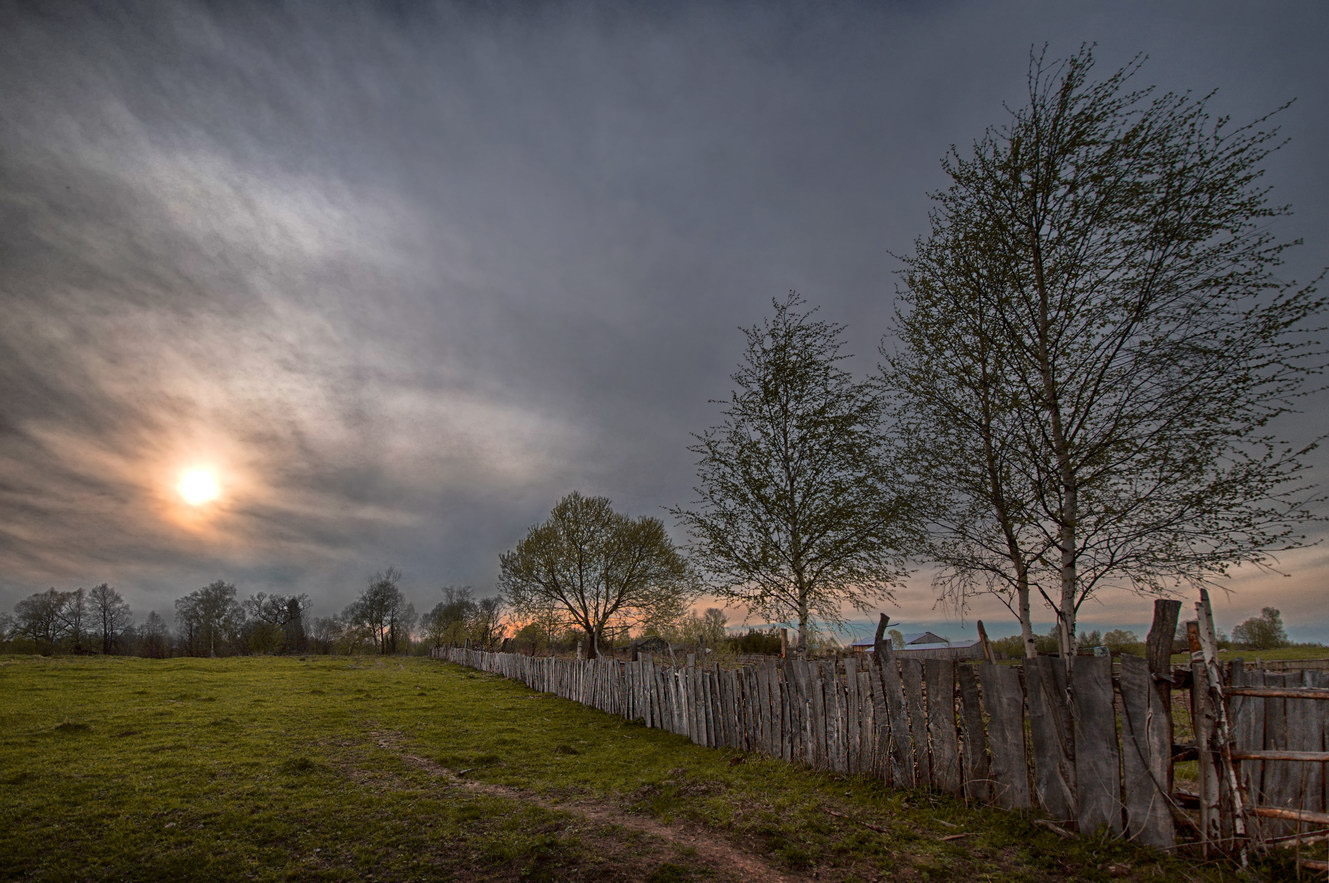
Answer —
939 675
1097 760
1146 748
1003 699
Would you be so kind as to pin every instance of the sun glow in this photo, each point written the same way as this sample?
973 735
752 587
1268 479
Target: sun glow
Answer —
198 486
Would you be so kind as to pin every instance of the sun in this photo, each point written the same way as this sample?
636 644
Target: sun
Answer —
198 486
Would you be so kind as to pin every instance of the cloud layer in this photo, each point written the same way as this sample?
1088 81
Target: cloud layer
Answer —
406 274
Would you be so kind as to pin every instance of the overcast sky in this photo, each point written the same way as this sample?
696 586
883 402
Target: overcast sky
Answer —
404 274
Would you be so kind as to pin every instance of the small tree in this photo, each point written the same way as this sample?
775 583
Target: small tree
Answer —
41 617
110 616
1096 344
154 637
800 510
382 612
604 570
1263 632
75 616
1120 640
211 620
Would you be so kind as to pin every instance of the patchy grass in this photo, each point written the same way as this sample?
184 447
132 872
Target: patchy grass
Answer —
1280 654
408 769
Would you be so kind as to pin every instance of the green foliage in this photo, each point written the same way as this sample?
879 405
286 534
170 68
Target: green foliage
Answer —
1263 632
211 621
595 569
1095 345
383 614
754 642
799 511
462 619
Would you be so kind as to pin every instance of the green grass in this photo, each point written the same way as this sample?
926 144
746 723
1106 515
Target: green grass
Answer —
1275 655
336 768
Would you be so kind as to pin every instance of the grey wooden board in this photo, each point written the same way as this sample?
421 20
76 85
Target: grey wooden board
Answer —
853 717
977 769
1097 759
1309 736
820 730
867 730
1050 733
911 676
939 676
1246 714
1280 785
1148 818
766 739
883 724
1003 699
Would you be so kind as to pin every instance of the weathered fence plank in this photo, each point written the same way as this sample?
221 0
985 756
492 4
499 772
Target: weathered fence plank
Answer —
1146 749
902 739
1003 699
1097 760
911 675
1049 727
939 675
977 770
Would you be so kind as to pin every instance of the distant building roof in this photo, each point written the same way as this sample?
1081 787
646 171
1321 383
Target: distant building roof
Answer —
916 638
923 638
941 645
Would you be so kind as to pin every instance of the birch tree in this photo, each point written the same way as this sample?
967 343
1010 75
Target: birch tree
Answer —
1096 342
800 511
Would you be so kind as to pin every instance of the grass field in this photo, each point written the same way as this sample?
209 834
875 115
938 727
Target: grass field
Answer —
406 769
1277 655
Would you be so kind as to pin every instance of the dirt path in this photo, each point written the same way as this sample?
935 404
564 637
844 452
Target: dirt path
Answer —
719 854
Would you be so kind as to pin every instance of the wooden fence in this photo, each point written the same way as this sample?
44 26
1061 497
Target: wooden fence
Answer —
1092 746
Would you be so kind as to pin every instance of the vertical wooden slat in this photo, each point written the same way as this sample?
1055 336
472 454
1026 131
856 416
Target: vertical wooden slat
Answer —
867 727
1097 760
1003 699
1308 736
1049 728
939 675
902 737
977 770
911 678
1280 776
1145 754
853 716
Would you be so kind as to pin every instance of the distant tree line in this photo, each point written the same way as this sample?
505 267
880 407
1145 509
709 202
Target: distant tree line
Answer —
215 621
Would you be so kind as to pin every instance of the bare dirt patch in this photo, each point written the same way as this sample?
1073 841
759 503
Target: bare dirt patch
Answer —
716 853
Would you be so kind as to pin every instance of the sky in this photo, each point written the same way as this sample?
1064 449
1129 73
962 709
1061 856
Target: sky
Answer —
404 274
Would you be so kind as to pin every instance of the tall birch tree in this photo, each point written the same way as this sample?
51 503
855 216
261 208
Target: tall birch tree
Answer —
800 512
1096 344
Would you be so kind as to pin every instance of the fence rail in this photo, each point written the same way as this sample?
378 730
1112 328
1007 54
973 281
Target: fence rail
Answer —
1091 746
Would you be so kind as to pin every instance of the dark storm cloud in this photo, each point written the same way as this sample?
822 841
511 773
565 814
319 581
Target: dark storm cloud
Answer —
408 274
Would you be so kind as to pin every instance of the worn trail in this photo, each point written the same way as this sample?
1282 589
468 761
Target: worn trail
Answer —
721 855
